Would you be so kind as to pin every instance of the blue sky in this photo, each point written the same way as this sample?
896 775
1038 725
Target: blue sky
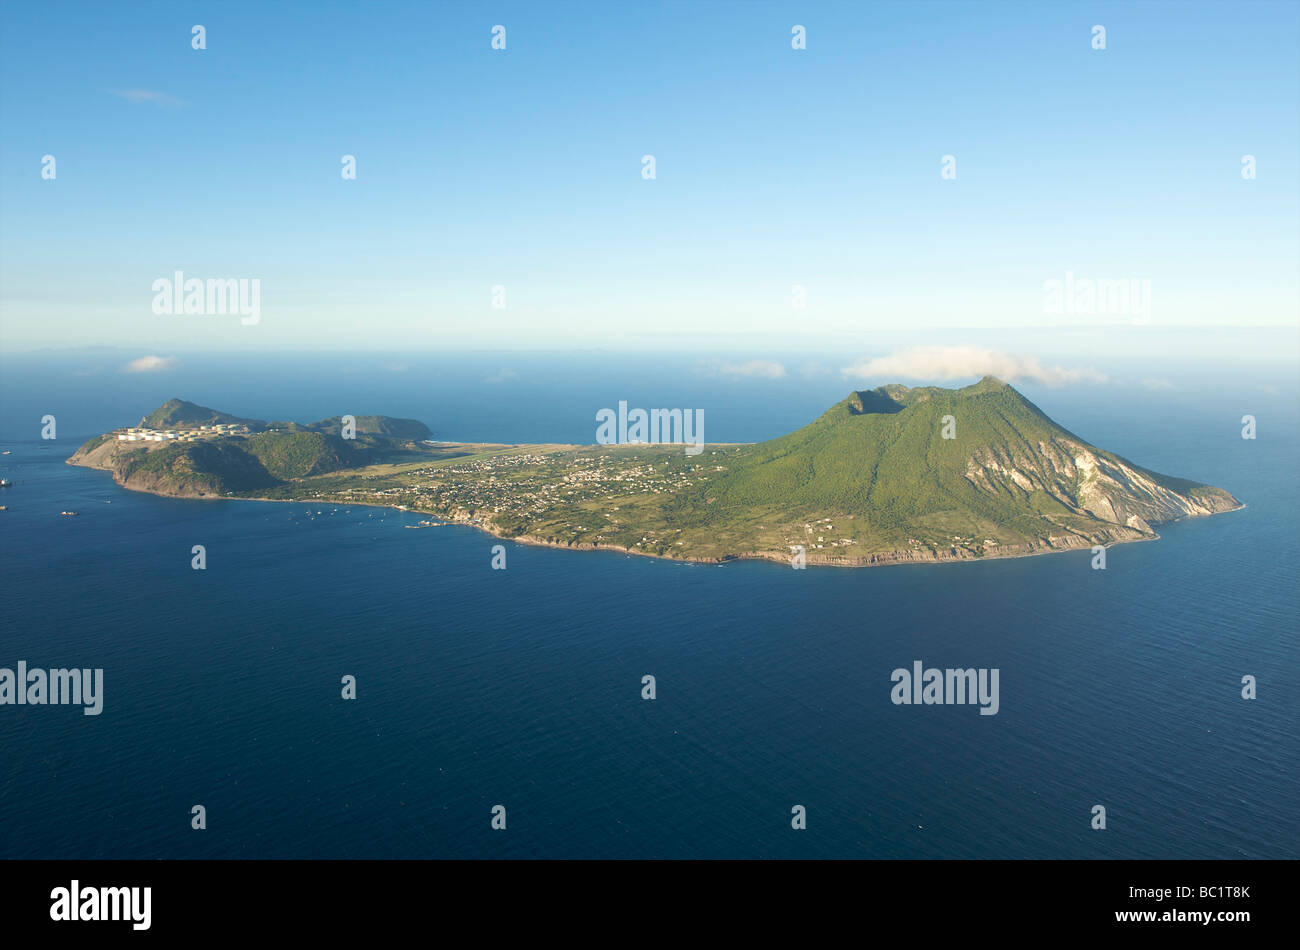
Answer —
522 168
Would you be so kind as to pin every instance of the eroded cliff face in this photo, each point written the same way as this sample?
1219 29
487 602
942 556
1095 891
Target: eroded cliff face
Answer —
902 476
1096 483
110 457
96 456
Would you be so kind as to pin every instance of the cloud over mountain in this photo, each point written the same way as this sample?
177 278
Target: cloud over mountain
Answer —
961 362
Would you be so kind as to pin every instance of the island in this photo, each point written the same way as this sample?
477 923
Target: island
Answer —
889 475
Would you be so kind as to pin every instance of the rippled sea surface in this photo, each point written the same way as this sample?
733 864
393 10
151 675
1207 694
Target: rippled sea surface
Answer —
522 687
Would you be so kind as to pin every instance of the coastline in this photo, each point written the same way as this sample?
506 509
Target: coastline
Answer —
881 559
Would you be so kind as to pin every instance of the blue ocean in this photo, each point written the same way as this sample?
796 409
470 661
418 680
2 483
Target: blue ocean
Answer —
522 687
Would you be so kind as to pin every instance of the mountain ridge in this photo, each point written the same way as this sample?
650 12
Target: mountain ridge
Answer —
885 475
879 463
269 454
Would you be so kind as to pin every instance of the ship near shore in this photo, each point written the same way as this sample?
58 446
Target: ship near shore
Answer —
886 476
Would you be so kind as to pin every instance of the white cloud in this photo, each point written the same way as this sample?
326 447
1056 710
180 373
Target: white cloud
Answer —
762 369
151 364
960 362
1154 382
145 95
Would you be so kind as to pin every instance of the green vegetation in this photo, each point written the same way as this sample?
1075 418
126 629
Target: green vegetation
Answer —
384 426
889 474
881 458
300 453
234 463
194 468
878 467
178 412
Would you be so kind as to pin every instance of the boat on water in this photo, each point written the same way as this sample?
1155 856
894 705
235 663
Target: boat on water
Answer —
67 512
5 483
